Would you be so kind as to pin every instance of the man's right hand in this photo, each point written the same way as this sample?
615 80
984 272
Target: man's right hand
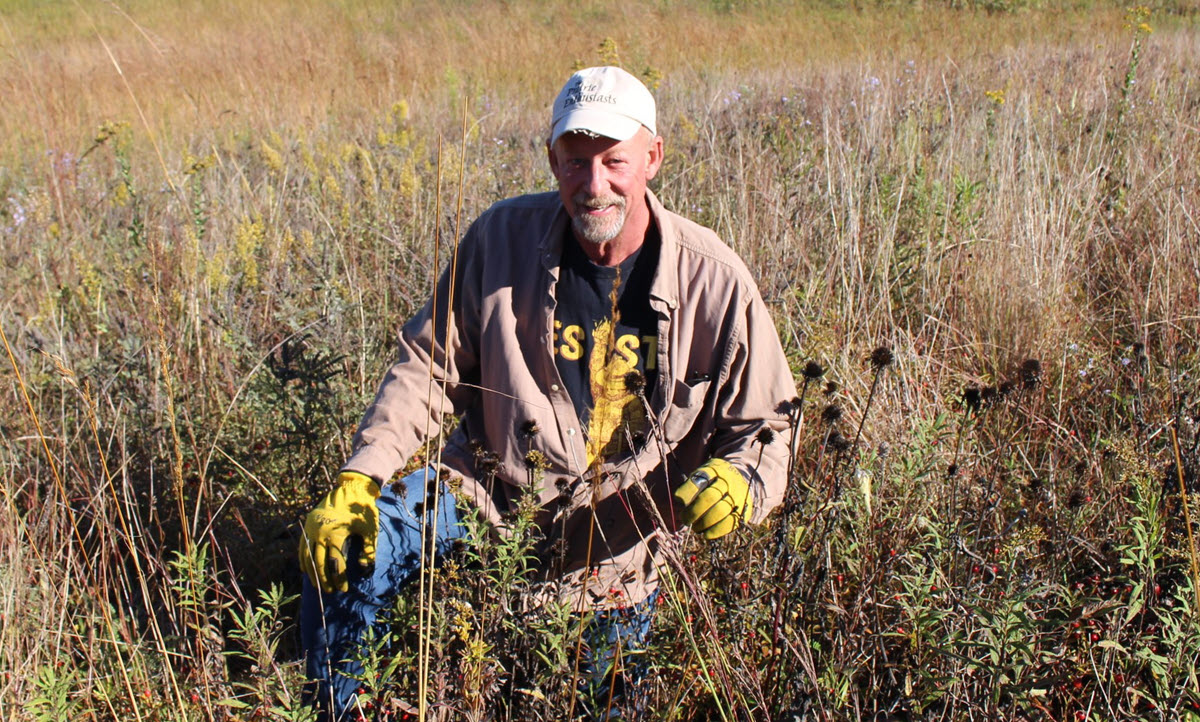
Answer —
347 510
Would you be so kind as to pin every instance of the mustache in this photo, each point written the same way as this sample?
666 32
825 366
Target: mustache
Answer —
584 200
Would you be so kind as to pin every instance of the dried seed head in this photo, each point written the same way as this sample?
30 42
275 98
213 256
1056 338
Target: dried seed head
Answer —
882 357
988 395
1006 389
529 429
765 436
488 463
1031 372
813 370
785 408
635 383
952 471
972 397
831 414
831 388
837 442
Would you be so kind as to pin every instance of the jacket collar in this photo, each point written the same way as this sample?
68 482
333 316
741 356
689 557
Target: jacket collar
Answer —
665 286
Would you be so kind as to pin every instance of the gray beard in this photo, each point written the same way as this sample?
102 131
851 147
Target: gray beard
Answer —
597 231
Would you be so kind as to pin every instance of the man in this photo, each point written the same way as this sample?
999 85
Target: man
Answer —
627 345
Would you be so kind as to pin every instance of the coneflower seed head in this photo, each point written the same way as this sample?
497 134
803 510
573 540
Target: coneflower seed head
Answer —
813 370
882 357
1031 372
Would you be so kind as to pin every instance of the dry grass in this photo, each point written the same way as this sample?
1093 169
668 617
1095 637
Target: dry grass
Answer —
206 254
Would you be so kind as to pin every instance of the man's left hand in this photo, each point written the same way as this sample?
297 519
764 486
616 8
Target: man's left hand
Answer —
716 499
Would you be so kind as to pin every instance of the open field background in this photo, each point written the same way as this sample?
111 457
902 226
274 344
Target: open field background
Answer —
214 215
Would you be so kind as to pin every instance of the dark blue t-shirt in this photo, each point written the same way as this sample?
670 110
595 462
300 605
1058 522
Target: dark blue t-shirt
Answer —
604 331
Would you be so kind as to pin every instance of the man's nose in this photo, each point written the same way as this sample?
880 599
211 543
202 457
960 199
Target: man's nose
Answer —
595 181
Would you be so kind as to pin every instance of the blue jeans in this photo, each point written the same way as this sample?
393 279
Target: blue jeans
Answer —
333 625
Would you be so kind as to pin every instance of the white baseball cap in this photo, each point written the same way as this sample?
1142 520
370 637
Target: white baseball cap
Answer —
605 101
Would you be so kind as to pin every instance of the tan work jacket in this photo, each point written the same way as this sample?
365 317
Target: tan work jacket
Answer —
721 378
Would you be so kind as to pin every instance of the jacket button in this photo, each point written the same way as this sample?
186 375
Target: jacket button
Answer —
554 387
570 432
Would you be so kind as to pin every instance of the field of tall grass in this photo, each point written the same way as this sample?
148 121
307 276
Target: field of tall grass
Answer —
977 225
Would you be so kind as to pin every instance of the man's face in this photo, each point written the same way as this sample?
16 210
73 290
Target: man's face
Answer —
602 181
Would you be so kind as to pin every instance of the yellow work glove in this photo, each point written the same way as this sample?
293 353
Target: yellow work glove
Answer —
347 510
715 498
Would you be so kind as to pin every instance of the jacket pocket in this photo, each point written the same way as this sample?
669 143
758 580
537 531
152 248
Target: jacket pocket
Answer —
687 402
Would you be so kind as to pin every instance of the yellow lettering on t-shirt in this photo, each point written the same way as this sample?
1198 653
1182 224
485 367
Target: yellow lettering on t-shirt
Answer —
572 343
626 348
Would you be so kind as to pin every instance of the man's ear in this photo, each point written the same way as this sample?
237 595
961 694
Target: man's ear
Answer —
654 157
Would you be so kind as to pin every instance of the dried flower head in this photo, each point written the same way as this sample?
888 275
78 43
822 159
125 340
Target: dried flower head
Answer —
831 414
1031 372
882 357
765 436
785 407
837 442
952 471
488 463
635 383
831 388
813 370
972 397
529 429
1007 387
988 395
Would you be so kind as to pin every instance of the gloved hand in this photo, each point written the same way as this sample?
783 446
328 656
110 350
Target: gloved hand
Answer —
716 499
347 510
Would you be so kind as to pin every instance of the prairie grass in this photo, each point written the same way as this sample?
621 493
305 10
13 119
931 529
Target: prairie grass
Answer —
213 216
